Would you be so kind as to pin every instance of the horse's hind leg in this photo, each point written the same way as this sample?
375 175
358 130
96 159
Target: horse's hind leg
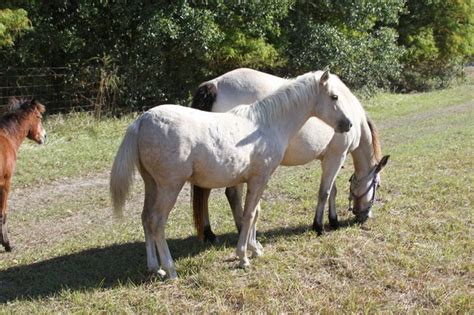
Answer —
234 197
209 236
3 217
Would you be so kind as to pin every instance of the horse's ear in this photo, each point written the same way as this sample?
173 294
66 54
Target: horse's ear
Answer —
38 105
324 77
382 164
12 104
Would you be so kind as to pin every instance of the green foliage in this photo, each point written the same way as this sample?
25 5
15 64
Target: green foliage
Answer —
439 39
353 39
159 51
12 23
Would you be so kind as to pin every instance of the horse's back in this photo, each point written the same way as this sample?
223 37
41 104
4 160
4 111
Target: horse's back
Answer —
243 86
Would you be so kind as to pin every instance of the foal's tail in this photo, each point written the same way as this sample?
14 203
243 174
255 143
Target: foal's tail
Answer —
123 169
203 99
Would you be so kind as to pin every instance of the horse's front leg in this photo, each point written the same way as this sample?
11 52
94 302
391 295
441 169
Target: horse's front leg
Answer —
332 207
331 166
254 193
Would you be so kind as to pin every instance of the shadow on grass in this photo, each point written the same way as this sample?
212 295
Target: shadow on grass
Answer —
107 267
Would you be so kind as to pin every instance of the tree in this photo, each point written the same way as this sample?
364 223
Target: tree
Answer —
12 24
439 39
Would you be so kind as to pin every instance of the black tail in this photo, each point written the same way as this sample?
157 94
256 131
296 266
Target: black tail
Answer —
204 97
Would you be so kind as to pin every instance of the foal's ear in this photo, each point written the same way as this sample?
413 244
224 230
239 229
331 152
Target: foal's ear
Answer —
324 77
382 163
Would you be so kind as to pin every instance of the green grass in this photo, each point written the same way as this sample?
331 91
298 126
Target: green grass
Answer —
416 255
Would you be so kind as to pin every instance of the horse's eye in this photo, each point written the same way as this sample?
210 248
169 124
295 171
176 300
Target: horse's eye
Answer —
334 97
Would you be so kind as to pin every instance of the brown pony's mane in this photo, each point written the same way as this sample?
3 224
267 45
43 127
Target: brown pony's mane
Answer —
375 140
17 111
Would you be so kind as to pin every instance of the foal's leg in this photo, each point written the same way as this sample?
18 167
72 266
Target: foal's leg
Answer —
150 198
254 193
3 217
331 166
165 200
255 247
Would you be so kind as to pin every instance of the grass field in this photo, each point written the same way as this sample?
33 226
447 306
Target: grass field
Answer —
416 255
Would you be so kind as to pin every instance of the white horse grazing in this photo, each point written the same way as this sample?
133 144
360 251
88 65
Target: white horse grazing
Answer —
172 144
316 140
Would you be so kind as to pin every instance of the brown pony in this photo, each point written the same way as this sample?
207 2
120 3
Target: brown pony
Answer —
22 120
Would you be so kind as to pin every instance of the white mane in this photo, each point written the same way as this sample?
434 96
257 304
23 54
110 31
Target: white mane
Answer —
287 98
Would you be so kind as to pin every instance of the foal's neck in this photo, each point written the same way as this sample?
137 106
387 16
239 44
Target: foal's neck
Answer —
16 128
287 110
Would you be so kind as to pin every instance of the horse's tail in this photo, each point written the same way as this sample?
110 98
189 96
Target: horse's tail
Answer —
204 97
123 169
198 202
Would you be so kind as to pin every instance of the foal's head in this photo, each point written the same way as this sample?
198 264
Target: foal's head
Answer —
332 102
30 112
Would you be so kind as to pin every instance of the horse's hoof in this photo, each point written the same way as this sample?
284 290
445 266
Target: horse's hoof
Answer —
210 237
318 228
244 263
7 247
334 223
173 276
161 273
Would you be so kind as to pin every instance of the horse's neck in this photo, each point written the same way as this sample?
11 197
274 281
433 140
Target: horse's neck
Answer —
15 130
363 155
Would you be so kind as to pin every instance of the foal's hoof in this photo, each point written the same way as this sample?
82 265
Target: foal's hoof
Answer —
257 252
244 263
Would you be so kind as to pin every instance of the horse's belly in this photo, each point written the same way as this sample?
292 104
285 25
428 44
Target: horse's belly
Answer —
220 171
309 143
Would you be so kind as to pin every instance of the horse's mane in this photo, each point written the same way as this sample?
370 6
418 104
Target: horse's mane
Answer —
283 100
17 111
375 140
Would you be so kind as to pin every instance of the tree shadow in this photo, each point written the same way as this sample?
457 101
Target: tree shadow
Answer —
110 266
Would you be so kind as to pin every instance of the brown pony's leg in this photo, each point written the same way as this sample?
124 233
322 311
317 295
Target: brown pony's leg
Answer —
3 217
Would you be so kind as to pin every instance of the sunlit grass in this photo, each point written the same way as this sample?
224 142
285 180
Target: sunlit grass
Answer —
415 256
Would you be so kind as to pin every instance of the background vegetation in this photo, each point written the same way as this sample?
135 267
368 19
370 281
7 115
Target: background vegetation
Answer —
148 52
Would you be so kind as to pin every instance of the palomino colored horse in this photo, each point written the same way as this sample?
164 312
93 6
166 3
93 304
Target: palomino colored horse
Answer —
316 140
172 144
23 120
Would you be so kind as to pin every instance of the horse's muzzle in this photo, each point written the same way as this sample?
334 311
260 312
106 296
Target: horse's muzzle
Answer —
344 125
